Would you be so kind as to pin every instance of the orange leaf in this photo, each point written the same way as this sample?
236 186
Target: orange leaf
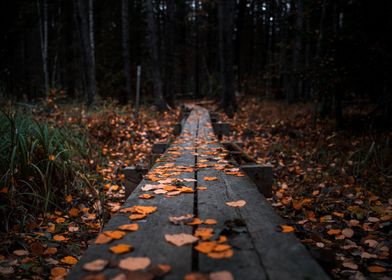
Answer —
210 222
103 239
58 272
221 255
286 228
146 196
221 247
68 198
201 188
210 178
137 216
114 234
186 190
205 247
334 231
204 233
69 260
121 248
58 237
129 227
60 220
50 251
74 212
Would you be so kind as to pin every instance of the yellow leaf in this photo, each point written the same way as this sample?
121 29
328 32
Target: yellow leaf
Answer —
121 248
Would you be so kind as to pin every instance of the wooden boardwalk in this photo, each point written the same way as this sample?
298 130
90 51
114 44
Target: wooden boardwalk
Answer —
196 160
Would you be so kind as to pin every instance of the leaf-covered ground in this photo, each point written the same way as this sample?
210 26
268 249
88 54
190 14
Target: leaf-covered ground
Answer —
334 186
47 246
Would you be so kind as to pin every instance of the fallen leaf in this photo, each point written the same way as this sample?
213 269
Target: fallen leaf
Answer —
286 228
210 178
129 227
68 198
59 237
221 275
74 212
134 263
50 251
95 266
350 265
205 247
160 191
196 276
69 260
103 239
181 219
221 255
238 203
146 196
348 232
194 222
201 188
204 233
180 239
376 269
173 193
58 272
137 216
334 231
114 234
20 253
221 247
210 222
121 248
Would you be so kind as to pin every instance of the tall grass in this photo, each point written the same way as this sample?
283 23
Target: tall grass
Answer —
39 166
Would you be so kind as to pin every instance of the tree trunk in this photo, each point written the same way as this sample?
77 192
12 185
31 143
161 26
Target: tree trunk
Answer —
155 65
170 52
86 11
226 19
43 28
125 45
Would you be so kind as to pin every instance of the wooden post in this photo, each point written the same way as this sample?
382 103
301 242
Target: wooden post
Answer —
261 175
221 129
133 176
137 101
177 129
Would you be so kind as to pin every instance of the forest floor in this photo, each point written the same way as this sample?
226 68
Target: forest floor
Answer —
333 186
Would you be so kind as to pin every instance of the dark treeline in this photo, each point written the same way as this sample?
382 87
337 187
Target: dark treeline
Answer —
330 52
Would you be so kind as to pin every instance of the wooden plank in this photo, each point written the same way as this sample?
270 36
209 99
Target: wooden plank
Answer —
211 204
281 255
149 240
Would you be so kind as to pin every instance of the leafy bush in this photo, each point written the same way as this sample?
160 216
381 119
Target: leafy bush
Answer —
39 166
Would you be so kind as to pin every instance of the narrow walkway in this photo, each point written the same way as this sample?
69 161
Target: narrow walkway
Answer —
193 178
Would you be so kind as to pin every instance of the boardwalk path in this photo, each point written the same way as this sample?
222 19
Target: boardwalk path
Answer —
199 181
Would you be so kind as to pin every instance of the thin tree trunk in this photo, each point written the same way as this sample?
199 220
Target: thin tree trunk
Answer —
125 45
155 65
43 28
226 19
87 38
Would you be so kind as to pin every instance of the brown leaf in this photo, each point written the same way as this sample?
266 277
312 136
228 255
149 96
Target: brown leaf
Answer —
20 253
181 219
160 270
376 269
180 239
132 263
58 272
95 266
286 228
348 232
74 212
